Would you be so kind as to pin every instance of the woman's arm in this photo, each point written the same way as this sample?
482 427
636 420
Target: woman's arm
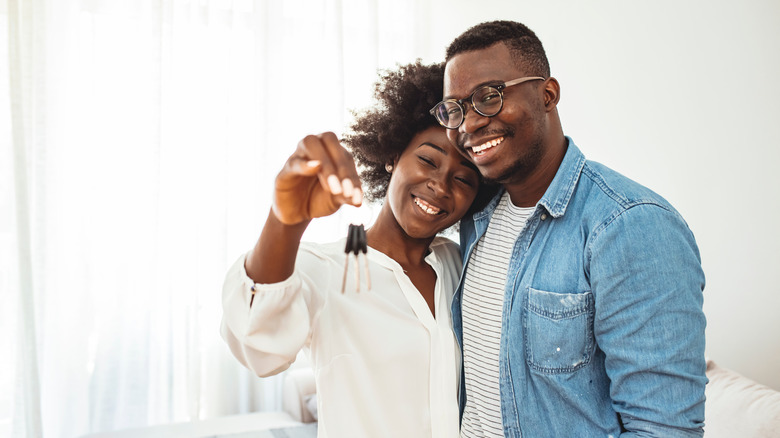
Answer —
273 258
267 310
315 181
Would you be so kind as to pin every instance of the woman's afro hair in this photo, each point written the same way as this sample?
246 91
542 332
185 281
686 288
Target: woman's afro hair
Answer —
382 132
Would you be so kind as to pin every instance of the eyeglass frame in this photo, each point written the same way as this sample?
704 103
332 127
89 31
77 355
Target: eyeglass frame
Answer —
461 103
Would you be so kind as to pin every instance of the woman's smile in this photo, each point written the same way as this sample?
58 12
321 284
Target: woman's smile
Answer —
427 207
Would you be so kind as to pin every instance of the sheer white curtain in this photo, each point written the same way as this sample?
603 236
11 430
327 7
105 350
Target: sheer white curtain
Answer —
139 143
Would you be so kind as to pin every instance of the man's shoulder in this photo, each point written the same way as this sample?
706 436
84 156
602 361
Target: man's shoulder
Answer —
602 185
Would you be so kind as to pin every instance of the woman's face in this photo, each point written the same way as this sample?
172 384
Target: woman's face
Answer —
432 185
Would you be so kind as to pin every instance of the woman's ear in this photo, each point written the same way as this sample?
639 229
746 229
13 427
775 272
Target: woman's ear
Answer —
391 165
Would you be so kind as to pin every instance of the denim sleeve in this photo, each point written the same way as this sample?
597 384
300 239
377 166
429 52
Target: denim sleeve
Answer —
647 281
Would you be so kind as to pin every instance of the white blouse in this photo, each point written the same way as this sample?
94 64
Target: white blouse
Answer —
383 365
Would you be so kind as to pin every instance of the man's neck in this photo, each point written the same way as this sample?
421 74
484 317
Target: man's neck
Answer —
527 190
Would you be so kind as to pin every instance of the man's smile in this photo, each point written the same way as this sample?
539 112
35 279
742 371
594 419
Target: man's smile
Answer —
479 150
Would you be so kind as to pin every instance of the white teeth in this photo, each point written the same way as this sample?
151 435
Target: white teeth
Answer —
487 145
426 207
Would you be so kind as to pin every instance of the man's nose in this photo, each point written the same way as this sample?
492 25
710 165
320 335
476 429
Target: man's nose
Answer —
472 120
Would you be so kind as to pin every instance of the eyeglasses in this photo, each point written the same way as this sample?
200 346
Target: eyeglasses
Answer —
487 101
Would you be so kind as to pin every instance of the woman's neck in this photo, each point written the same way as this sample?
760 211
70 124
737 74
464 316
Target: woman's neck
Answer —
387 237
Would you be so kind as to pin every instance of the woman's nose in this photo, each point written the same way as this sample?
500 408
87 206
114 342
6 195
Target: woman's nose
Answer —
439 187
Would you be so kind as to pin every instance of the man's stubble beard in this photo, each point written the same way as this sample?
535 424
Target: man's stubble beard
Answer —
525 162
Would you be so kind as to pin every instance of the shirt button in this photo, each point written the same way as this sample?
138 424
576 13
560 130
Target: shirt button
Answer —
544 216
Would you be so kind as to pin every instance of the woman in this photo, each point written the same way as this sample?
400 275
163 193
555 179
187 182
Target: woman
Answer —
386 362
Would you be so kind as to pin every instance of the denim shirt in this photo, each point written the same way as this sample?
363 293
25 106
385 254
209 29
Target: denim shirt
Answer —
603 329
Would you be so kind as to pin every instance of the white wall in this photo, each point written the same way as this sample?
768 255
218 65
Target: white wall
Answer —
683 97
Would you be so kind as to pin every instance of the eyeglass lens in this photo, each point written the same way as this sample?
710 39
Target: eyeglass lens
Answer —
487 101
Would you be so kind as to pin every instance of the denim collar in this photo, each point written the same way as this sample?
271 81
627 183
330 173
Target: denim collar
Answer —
559 193
557 196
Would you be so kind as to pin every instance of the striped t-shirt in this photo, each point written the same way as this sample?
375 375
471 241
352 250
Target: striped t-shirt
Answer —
483 300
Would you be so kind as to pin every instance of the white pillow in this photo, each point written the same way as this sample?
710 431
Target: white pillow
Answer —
311 405
739 407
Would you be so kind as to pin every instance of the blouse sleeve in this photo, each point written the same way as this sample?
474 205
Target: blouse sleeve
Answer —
266 334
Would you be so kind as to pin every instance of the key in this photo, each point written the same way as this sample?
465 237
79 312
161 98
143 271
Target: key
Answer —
356 245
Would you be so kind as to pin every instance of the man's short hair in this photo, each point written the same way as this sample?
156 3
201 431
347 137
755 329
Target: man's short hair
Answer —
525 47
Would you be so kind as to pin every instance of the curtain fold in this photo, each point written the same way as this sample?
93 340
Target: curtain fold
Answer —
25 40
143 142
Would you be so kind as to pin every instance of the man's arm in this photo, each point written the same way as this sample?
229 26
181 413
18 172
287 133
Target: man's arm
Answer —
647 281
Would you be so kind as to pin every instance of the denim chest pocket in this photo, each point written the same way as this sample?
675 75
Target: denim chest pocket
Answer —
558 331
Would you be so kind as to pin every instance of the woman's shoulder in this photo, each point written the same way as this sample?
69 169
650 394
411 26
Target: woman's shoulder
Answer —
329 250
446 249
441 243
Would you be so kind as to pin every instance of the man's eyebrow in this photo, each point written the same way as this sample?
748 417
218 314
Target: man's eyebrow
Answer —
481 84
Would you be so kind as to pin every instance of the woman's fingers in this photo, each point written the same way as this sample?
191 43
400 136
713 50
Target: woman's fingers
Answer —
303 166
312 148
316 180
336 171
344 168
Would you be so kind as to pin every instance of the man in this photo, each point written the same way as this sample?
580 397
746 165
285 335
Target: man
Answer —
580 311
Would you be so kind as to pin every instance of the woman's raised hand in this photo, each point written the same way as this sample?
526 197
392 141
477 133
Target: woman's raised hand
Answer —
316 180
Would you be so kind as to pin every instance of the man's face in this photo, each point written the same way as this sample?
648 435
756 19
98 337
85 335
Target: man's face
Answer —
509 146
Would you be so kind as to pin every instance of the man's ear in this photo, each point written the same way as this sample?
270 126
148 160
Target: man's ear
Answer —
552 93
